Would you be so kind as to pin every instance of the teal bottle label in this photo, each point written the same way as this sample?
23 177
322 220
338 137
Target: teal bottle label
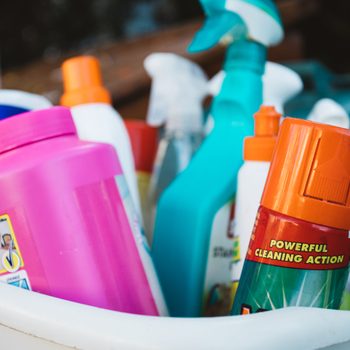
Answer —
291 262
217 285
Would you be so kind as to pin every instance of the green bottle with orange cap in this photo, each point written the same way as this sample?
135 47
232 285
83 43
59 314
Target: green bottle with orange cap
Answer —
299 249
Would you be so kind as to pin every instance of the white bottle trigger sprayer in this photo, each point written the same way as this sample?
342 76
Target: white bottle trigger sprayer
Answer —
328 111
179 87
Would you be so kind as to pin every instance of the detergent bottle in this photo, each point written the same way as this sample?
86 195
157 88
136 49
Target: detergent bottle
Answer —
257 154
329 112
14 102
64 228
96 120
192 245
94 117
299 249
178 89
144 142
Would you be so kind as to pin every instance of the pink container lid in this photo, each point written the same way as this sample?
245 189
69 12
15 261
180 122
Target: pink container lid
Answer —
30 127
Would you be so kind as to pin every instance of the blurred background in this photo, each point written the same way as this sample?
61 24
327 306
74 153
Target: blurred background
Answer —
37 35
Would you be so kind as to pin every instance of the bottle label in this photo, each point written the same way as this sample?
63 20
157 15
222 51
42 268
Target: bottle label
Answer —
142 245
291 262
299 249
11 260
218 286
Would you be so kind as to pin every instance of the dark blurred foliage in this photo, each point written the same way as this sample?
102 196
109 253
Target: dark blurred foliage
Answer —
30 29
327 35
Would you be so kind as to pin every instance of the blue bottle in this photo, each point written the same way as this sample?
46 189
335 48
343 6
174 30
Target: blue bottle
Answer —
192 248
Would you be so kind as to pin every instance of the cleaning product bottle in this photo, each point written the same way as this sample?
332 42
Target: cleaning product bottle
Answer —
257 154
14 102
329 112
178 89
96 120
280 84
94 117
144 142
192 248
300 246
63 224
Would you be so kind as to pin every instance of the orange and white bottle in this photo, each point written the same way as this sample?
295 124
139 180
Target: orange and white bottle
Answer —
258 151
94 116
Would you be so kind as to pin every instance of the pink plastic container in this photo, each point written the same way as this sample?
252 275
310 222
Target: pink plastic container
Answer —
64 229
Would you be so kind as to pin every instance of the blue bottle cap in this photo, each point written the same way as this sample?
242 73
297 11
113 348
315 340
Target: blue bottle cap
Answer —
9 111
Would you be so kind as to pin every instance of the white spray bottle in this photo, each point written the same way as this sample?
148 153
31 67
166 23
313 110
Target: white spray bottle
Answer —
178 89
94 117
327 111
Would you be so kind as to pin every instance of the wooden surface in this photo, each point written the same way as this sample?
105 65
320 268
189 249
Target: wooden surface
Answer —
122 62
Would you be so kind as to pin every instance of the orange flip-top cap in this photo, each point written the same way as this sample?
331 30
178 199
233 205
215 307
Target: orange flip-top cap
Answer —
261 146
82 82
309 176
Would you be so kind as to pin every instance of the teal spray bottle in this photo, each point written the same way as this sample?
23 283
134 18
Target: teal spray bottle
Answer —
192 249
179 87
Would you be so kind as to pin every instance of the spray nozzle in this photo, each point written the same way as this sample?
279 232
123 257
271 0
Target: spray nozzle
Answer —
222 26
178 89
329 112
228 20
281 84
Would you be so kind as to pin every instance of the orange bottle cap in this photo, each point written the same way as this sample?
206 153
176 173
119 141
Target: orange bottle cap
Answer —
261 146
82 82
309 176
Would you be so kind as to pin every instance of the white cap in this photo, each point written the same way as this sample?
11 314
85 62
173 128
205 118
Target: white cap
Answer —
25 100
262 26
281 84
329 112
178 89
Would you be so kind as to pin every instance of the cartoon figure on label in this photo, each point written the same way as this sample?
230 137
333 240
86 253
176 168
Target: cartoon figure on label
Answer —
10 260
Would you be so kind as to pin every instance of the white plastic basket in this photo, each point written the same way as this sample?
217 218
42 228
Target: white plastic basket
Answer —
33 321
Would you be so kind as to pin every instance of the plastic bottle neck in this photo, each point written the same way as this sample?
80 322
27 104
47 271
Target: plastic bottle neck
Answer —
247 55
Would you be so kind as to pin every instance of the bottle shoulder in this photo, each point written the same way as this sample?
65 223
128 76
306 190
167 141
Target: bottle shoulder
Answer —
50 150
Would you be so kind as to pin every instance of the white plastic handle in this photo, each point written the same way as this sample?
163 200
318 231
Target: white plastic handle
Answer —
32 321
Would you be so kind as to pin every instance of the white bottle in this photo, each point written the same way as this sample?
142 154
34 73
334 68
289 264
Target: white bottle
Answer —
97 121
94 117
23 100
178 89
252 176
328 111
